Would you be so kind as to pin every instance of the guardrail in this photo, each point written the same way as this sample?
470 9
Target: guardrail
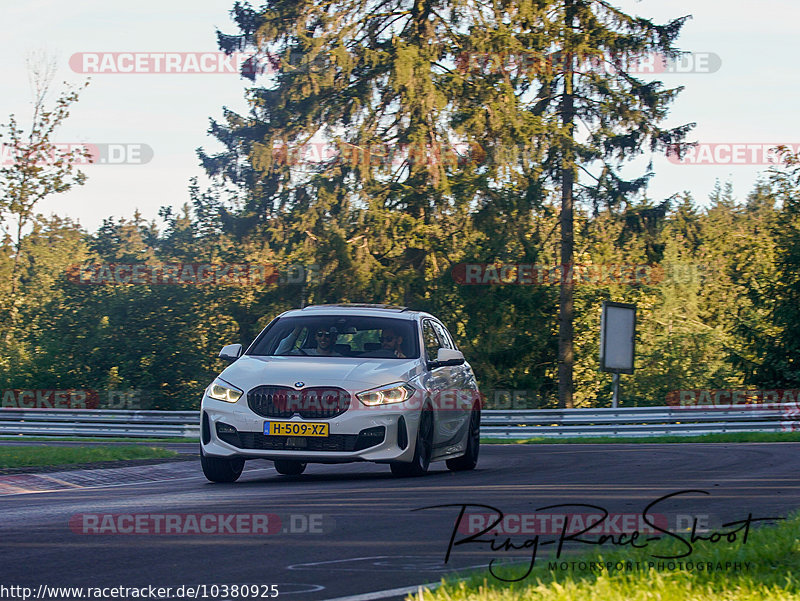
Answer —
638 421
100 423
549 423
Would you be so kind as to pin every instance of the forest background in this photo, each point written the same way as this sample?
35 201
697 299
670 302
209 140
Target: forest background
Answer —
440 161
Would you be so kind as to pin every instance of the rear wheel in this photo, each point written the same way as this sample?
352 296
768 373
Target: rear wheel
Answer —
423 450
469 459
219 469
288 467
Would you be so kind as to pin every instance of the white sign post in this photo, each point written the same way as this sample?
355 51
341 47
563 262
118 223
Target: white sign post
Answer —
617 341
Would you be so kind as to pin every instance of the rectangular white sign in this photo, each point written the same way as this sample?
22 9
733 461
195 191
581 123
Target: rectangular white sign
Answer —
617 337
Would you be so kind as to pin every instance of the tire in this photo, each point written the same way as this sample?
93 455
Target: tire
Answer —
218 469
469 459
423 449
288 467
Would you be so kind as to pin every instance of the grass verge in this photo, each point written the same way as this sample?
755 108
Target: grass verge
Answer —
726 437
769 566
11 457
93 439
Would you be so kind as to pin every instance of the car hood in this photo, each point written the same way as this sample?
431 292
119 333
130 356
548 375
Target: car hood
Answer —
352 374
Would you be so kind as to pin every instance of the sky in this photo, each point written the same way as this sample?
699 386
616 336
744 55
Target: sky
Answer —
741 88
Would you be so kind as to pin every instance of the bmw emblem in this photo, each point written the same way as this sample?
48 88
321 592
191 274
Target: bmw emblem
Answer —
299 384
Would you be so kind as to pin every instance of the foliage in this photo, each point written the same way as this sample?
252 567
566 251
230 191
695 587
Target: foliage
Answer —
440 158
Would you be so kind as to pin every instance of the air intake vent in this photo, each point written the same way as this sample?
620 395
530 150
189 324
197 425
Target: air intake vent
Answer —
310 403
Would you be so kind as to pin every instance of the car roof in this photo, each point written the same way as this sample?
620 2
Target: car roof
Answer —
366 310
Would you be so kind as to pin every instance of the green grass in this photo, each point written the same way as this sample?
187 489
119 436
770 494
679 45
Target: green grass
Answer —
773 553
46 456
727 437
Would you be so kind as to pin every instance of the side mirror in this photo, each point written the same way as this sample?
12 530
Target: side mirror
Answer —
447 357
231 352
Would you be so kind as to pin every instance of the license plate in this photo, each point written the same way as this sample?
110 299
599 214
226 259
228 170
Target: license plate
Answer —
295 429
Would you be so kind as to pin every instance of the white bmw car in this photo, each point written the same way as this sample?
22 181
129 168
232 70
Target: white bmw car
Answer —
341 383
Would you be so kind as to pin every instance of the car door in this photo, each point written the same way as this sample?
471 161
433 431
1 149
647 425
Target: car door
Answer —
464 391
441 390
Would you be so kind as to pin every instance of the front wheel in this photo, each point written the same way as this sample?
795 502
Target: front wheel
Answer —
288 467
423 450
219 469
469 459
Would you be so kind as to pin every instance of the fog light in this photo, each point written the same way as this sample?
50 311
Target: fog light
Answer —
370 437
223 428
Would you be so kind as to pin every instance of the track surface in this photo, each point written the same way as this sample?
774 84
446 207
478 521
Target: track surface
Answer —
372 540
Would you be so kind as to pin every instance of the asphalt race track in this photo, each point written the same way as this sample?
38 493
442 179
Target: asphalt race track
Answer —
349 530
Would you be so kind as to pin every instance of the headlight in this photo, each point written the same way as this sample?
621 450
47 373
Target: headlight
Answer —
392 393
222 391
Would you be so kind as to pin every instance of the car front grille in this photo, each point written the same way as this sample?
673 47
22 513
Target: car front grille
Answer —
310 403
335 442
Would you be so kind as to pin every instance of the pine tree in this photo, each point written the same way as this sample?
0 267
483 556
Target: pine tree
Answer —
397 87
595 47
774 359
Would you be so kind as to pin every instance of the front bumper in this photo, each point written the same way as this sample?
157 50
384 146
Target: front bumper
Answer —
359 434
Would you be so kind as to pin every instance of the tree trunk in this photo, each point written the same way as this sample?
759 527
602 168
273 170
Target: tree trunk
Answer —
566 355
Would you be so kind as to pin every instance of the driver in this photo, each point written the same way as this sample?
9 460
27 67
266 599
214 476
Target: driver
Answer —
391 341
326 338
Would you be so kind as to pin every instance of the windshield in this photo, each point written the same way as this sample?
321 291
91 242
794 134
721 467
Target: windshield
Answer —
339 336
